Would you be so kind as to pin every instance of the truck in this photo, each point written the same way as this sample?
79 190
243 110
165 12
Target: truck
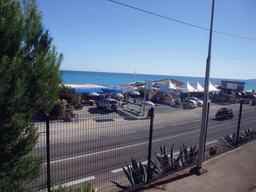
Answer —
108 104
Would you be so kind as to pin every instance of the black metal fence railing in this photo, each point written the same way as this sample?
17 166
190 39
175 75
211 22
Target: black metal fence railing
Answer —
110 150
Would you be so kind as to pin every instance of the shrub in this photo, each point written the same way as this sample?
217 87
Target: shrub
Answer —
70 95
59 108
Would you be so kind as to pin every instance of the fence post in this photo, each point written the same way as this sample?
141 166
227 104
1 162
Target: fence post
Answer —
239 121
207 119
48 153
150 142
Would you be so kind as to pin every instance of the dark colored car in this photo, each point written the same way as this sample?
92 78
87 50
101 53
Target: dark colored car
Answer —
250 96
224 113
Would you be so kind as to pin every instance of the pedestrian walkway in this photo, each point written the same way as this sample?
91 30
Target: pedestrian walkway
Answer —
233 171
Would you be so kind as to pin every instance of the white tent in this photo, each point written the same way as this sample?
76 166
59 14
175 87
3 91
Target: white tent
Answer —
198 87
186 87
167 88
212 88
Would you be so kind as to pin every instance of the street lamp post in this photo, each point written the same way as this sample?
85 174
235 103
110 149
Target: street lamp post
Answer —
199 161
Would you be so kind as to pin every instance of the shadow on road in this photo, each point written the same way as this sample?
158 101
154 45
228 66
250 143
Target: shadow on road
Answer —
97 111
104 120
131 118
121 113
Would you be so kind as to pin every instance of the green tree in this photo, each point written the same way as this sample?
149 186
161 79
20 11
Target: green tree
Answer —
29 83
70 95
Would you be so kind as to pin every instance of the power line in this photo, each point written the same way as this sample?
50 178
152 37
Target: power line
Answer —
181 22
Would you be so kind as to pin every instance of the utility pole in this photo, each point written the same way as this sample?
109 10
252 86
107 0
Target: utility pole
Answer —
199 161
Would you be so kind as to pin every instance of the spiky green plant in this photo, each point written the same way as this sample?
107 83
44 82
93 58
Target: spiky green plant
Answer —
163 158
169 163
244 136
189 157
137 173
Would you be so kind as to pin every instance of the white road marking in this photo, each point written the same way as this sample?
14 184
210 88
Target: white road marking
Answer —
78 181
157 127
180 123
115 149
211 142
121 169
73 183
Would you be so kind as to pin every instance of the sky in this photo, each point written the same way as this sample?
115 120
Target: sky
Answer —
103 36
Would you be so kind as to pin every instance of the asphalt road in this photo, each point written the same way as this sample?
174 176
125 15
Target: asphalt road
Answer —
93 149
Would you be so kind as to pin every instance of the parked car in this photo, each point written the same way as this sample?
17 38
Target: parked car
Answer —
79 106
224 113
191 104
198 101
250 96
108 104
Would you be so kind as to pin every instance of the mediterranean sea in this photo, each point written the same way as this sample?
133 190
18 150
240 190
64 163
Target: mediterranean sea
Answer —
116 79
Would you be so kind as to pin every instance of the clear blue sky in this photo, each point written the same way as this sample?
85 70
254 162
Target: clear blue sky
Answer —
99 35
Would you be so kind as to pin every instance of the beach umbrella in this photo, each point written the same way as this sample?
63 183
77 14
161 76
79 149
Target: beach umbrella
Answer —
148 103
119 95
93 94
135 93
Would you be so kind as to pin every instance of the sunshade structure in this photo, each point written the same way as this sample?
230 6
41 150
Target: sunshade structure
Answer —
98 90
149 103
89 90
212 88
119 95
111 90
186 87
93 94
198 87
167 88
135 93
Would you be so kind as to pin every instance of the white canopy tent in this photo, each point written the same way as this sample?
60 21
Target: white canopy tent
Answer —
212 88
198 87
167 88
186 87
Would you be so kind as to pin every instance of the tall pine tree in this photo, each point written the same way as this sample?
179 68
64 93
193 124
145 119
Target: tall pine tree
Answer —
29 84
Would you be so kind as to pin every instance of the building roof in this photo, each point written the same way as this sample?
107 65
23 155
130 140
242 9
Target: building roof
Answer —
173 81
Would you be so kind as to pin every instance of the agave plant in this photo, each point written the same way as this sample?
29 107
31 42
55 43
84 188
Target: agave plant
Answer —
137 173
244 136
189 157
175 163
249 132
163 158
231 140
168 162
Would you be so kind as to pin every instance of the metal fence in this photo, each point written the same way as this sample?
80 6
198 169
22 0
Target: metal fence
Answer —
109 149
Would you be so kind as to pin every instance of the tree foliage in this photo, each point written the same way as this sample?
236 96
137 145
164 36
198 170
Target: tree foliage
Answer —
70 95
29 79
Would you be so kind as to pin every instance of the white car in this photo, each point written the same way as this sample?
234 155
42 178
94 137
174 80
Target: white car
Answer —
198 101
191 104
108 104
